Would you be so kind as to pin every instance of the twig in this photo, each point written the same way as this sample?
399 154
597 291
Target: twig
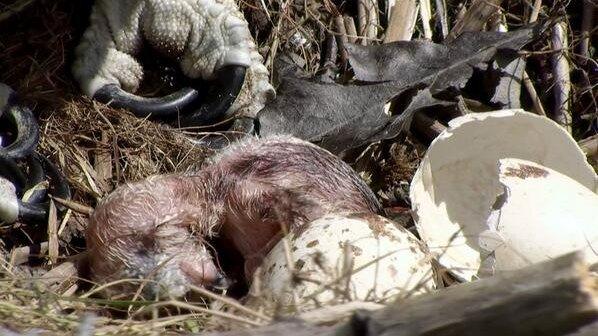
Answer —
527 82
341 38
562 82
76 207
367 20
590 146
535 11
537 103
329 52
476 16
15 8
67 270
275 35
350 27
428 127
52 233
402 21
587 24
441 17
191 307
20 255
229 302
425 12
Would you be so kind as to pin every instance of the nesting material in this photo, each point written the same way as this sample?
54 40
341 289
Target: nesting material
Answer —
343 258
456 185
541 215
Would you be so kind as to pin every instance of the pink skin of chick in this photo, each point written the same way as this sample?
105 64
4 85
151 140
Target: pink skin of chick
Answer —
155 229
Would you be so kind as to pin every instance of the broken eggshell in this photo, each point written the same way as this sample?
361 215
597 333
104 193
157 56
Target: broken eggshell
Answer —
541 215
383 259
456 184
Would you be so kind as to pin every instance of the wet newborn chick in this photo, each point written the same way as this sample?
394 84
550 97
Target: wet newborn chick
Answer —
157 228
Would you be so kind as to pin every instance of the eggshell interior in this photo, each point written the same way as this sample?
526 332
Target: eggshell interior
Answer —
545 214
456 185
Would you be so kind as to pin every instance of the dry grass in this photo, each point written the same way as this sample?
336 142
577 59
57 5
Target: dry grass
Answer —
98 148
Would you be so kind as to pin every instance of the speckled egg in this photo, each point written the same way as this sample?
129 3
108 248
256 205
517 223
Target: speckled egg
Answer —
343 258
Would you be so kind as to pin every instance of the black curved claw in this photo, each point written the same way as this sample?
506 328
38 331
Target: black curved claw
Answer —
159 107
34 210
59 186
27 132
38 212
228 83
10 170
7 96
35 175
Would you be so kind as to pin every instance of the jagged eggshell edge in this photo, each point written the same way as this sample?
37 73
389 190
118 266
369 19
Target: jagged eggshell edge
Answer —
543 215
456 184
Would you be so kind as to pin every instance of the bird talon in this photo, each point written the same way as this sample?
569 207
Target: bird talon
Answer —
209 38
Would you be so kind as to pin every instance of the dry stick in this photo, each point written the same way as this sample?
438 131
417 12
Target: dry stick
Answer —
388 5
367 20
590 146
527 82
441 17
373 22
66 271
402 21
562 82
52 233
21 255
587 25
72 205
102 287
15 8
537 103
341 38
475 18
350 27
425 12
460 14
103 164
535 11
430 128
229 301
275 39
198 309
329 52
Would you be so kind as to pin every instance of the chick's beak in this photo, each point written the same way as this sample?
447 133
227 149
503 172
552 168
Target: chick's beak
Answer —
205 275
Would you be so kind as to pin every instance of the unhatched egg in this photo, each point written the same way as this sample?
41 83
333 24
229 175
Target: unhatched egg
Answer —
342 258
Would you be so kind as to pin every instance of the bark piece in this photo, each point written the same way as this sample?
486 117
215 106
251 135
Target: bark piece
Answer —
402 21
562 81
475 18
550 298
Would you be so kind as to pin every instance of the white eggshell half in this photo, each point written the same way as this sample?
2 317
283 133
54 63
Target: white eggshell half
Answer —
387 260
545 214
456 184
